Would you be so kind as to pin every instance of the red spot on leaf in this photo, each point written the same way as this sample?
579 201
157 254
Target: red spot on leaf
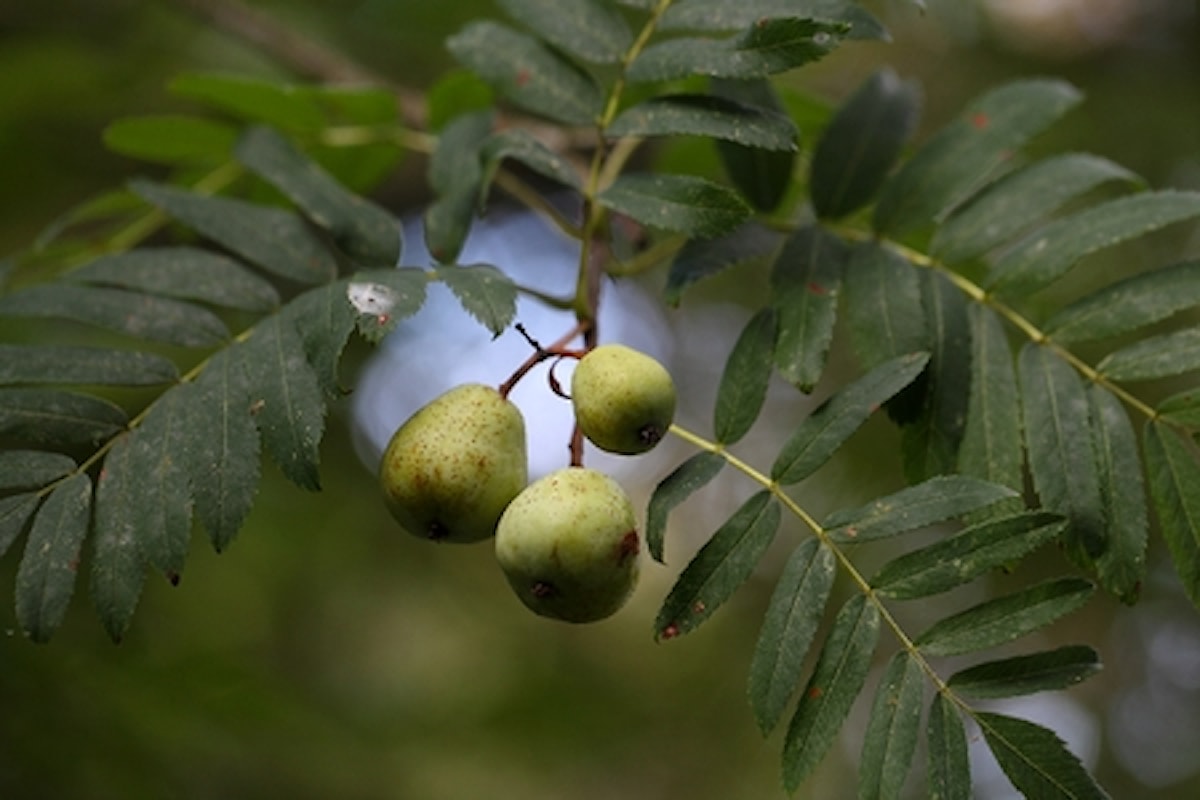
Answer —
383 319
523 77
698 607
980 120
815 692
669 632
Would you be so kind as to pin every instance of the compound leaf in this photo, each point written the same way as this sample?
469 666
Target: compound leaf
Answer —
587 29
700 259
485 292
707 115
720 567
528 73
46 575
1005 618
825 430
285 399
720 15
32 469
171 139
884 308
1058 440
685 480
15 512
856 151
118 566
1121 567
893 730
380 299
806 281
762 176
57 419
365 232
456 176
324 318
1182 408
949 768
182 272
288 107
521 146
272 238
1036 760
684 203
985 546
141 316
837 678
1055 669
796 608
1154 357
1174 477
1018 201
935 500
1129 304
52 363
965 155
743 386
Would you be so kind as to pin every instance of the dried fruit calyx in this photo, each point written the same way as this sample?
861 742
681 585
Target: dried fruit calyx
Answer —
568 545
624 400
450 471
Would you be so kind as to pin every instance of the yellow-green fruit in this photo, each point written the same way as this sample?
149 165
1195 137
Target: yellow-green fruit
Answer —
450 471
568 545
624 400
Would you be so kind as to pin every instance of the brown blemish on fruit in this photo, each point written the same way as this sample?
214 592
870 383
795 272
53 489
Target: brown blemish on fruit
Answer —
628 547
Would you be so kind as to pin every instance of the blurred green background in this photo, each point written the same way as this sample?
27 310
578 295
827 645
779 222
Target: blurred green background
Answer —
327 655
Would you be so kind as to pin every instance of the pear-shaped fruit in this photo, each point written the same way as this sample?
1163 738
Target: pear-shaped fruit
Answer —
569 545
624 400
449 471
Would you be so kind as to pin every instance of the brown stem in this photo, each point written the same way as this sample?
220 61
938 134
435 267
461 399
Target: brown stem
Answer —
540 354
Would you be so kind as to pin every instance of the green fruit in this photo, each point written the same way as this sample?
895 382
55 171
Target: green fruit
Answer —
568 545
449 471
624 400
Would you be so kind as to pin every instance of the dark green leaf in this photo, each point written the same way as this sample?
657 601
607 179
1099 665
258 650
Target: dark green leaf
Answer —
1129 304
699 259
485 292
46 575
278 104
767 47
1036 760
949 770
587 29
951 562
274 239
967 154
171 139
382 298
884 311
931 440
721 15
456 176
743 386
222 448
285 399
365 232
1181 409
856 151
1048 254
456 93
762 176
160 516
720 567
521 146
1155 357
32 469
837 678
1047 671
141 316
891 737
1174 476
683 203
796 608
528 73
108 207
1003 619
1123 564
57 419
826 429
1062 458
991 443
324 317
118 567
51 363
805 283
936 500
15 512
185 273
688 478
707 115
1018 201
